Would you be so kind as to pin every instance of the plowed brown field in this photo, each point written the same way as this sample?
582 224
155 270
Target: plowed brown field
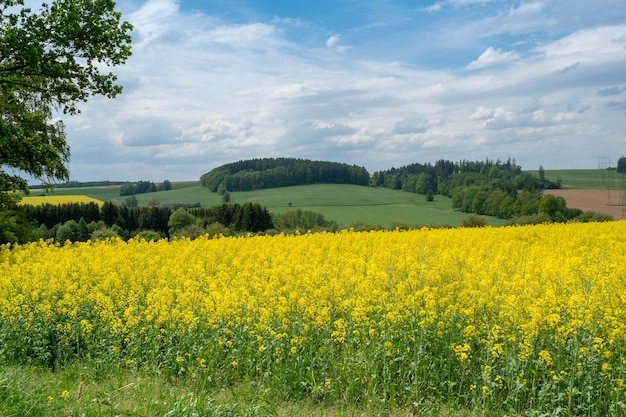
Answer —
601 201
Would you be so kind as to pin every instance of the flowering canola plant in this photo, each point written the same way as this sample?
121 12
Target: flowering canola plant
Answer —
38 200
518 318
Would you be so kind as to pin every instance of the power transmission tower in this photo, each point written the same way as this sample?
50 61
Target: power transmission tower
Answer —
606 177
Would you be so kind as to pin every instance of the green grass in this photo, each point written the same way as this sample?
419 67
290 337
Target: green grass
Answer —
586 179
348 204
34 392
345 204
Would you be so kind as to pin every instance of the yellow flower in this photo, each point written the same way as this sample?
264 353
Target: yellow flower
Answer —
545 358
462 352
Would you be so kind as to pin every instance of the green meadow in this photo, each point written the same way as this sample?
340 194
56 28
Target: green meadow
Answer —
586 179
345 204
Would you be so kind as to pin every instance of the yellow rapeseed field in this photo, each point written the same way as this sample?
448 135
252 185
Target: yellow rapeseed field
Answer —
58 199
518 318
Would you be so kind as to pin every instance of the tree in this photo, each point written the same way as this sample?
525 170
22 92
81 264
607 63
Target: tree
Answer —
167 185
14 227
50 61
621 164
180 219
542 174
70 230
430 196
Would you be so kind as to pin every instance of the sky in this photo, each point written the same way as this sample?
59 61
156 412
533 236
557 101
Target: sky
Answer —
376 83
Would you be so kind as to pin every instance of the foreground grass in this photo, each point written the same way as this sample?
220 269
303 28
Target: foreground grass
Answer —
87 390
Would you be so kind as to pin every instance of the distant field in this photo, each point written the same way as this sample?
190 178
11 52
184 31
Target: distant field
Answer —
59 199
586 179
345 204
348 204
597 190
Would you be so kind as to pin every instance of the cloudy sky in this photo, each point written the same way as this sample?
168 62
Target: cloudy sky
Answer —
377 83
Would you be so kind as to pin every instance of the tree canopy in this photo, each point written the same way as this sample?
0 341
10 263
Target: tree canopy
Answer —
50 61
259 173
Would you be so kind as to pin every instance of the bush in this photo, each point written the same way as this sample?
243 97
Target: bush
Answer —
538 218
103 234
474 220
365 227
149 235
216 229
592 216
193 231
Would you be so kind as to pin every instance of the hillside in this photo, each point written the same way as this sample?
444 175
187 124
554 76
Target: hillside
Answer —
344 203
256 174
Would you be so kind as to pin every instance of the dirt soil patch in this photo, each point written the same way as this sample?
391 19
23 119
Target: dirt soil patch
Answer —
601 201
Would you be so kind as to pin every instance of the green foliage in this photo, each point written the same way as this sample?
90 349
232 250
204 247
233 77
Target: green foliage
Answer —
14 227
52 59
104 233
140 187
166 185
216 229
303 220
71 231
111 391
180 219
473 220
538 218
256 174
131 201
592 216
149 235
621 164
430 195
192 231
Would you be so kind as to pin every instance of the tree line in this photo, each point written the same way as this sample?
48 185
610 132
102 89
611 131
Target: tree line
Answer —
255 174
493 188
123 221
83 221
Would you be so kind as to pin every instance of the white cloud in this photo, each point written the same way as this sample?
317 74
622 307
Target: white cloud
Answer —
414 124
201 91
151 20
241 35
493 57
332 41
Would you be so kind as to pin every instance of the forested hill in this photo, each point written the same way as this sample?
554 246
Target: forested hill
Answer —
444 177
255 174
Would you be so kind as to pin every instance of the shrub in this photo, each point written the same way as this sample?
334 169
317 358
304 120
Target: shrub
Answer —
474 220
103 234
592 216
538 218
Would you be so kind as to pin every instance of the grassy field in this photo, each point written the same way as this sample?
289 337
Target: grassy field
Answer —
586 179
345 204
38 392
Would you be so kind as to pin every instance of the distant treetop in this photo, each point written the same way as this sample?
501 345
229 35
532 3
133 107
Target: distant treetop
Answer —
260 173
